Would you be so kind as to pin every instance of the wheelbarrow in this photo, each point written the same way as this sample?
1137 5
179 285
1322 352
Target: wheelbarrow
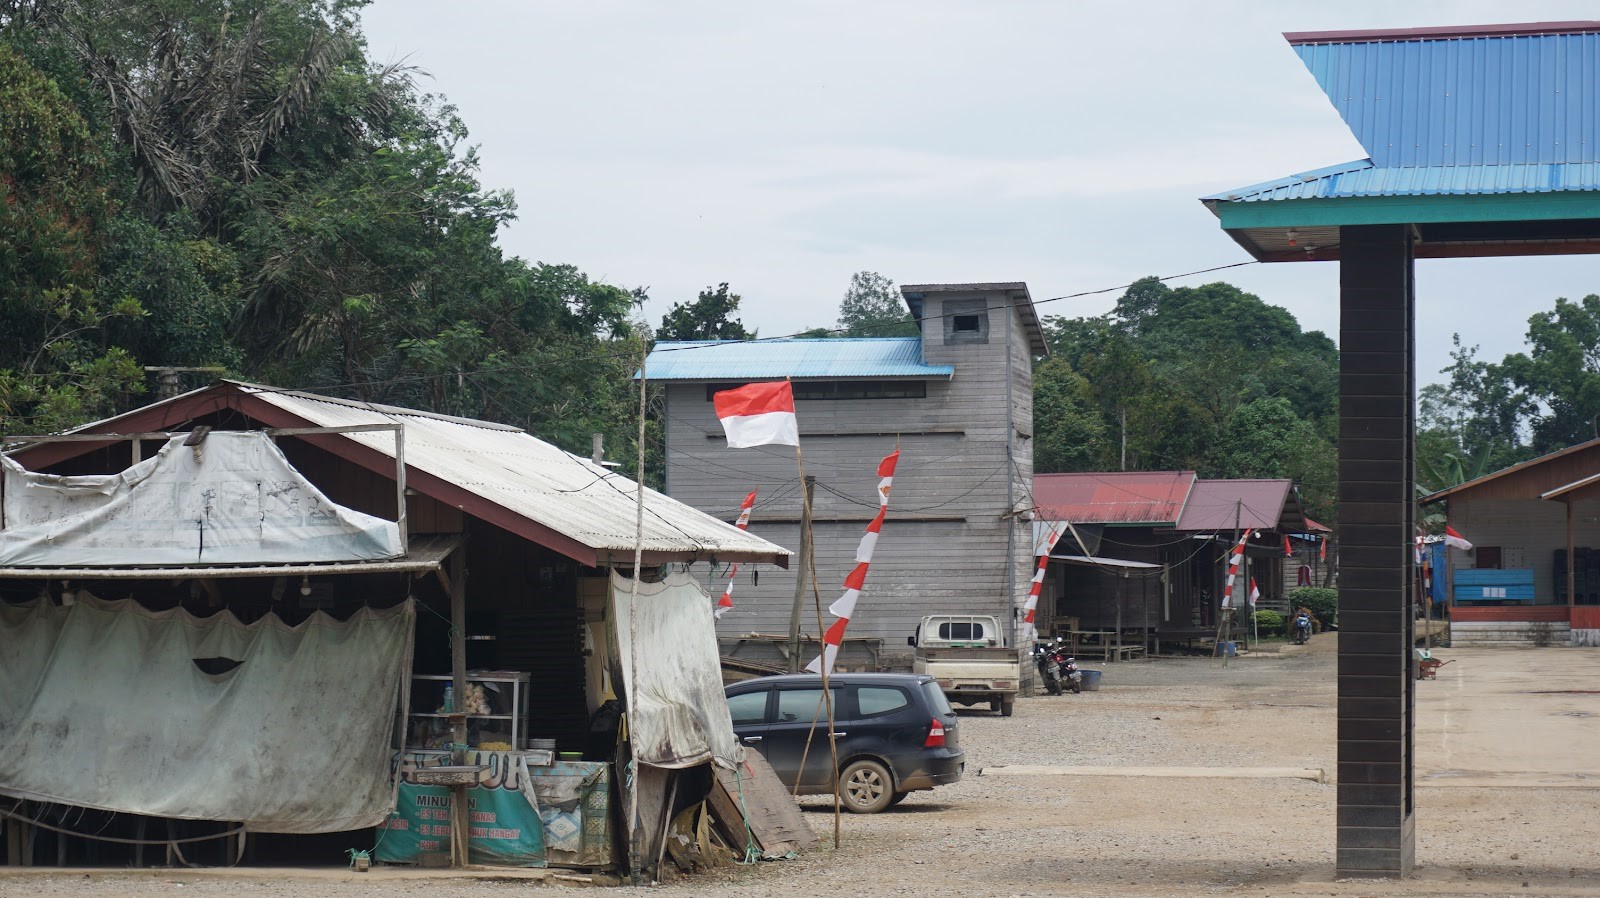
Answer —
1428 668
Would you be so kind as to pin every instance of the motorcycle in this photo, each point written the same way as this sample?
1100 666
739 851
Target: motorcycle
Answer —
1302 628
1058 670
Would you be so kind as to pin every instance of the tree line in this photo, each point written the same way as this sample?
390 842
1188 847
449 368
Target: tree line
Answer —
241 187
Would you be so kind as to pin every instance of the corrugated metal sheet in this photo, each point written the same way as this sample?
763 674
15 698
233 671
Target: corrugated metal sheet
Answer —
1515 99
1230 504
1363 179
531 478
1120 497
799 358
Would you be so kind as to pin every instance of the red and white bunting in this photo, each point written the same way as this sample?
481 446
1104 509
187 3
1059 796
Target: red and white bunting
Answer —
725 604
845 606
1051 535
1234 561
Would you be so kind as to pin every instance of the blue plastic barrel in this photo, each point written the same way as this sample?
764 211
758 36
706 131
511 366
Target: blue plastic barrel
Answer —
1091 680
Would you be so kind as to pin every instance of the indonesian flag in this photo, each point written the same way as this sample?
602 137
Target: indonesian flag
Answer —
1452 538
1046 543
1234 561
758 415
1255 592
845 606
1287 551
725 604
1322 550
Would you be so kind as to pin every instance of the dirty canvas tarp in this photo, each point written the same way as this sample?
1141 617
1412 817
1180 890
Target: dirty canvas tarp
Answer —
233 499
677 714
103 706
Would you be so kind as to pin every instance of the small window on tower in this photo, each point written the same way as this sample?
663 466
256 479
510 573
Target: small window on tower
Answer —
968 323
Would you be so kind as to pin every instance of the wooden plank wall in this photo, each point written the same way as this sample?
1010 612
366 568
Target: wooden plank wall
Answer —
1528 531
945 544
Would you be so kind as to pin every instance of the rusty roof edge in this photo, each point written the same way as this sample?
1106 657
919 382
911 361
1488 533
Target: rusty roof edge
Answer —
1447 492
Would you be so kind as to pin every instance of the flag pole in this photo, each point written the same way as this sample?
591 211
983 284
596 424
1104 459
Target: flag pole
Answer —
633 631
809 564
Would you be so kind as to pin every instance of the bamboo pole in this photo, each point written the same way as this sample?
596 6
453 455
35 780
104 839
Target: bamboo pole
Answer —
633 630
807 485
822 647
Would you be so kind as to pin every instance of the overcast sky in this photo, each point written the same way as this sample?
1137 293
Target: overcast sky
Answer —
783 146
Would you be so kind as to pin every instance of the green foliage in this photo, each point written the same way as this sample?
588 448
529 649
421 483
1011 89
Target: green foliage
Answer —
1270 623
1324 603
1560 374
872 307
1068 433
712 316
1208 378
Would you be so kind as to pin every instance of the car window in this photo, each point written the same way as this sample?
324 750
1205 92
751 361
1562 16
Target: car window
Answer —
748 707
872 701
961 630
804 705
936 699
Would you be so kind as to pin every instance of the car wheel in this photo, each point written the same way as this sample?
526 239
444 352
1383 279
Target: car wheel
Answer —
1007 705
866 787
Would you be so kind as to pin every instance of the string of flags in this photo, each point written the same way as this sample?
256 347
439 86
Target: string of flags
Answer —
845 606
725 604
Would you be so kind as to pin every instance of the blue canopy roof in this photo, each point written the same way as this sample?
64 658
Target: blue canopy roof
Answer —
734 360
1448 116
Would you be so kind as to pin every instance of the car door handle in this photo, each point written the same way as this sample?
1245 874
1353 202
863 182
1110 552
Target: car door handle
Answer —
840 735
752 738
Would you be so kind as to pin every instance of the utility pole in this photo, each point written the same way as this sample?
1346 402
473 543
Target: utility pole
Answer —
810 482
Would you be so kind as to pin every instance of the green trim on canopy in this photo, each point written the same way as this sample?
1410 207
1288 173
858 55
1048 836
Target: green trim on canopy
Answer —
1407 210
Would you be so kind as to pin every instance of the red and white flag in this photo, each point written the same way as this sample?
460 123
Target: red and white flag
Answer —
1322 550
1288 552
1255 592
758 414
1234 561
845 606
1452 538
1051 535
725 604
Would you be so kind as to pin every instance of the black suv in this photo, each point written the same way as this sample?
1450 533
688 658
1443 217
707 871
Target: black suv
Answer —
896 734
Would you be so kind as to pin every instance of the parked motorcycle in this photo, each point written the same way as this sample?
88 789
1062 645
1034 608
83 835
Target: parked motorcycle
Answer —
1057 669
1302 628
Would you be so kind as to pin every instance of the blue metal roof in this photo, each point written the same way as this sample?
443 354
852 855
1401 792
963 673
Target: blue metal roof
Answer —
713 360
1364 179
1478 99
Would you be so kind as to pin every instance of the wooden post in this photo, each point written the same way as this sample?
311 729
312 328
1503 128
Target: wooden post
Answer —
1571 562
458 651
808 485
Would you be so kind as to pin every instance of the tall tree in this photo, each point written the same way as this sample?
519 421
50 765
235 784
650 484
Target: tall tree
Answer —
57 362
872 307
714 315
1561 373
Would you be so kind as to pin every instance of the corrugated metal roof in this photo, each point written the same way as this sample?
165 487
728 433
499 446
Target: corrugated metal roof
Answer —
1234 504
1477 99
713 360
531 478
1118 497
1364 179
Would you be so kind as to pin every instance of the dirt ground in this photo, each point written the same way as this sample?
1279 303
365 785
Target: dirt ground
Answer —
1508 787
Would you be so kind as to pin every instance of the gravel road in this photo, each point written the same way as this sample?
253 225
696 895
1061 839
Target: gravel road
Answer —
1112 836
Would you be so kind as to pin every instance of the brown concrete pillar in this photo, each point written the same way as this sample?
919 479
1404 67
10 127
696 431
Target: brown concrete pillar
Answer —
1377 390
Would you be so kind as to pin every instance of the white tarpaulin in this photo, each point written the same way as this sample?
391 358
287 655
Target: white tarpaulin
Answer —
677 713
233 499
102 705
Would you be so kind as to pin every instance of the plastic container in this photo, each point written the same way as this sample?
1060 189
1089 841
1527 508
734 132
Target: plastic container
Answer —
542 744
1231 649
1091 680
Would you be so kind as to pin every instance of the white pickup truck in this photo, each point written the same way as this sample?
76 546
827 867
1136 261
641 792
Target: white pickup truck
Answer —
969 657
